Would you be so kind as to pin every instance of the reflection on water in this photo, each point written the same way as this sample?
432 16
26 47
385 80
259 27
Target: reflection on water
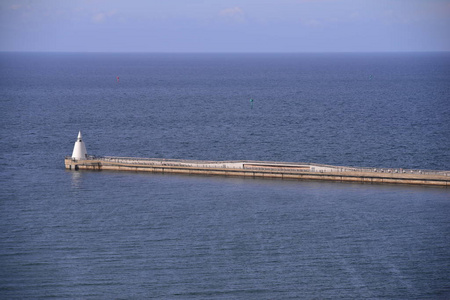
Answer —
76 179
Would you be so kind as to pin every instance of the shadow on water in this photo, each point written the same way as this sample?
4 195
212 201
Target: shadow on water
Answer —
77 180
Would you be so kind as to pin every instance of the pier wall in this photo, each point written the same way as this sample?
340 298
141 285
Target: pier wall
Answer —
258 170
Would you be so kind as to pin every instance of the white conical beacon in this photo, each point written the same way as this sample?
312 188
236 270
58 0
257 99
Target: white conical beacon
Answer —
79 150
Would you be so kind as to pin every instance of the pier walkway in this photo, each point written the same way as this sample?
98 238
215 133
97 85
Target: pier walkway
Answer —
263 169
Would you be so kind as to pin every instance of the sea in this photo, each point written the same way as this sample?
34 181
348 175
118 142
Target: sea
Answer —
123 235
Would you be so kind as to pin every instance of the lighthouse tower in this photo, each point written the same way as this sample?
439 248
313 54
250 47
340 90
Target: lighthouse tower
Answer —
79 150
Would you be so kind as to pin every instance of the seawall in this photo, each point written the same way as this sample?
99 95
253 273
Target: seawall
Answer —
264 169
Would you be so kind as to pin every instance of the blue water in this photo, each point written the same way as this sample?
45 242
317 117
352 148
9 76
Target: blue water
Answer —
134 235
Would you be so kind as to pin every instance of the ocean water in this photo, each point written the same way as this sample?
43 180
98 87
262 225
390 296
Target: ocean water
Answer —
106 235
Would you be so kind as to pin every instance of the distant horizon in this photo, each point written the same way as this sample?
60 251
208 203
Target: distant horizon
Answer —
304 52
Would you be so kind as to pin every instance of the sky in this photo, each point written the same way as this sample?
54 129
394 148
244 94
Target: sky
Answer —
225 25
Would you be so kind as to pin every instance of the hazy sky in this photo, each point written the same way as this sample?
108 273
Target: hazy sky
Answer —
224 25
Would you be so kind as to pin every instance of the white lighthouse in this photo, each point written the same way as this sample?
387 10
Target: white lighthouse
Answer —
79 149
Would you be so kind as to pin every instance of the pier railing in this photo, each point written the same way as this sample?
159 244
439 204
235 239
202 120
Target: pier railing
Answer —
320 168
300 167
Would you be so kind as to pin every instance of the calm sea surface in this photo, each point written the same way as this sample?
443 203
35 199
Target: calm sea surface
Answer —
90 235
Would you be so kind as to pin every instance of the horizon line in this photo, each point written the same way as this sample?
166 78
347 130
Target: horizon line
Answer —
225 52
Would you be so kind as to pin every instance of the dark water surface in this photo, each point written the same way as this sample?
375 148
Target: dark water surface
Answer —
133 235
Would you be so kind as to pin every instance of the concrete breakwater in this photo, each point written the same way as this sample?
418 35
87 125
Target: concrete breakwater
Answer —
262 169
